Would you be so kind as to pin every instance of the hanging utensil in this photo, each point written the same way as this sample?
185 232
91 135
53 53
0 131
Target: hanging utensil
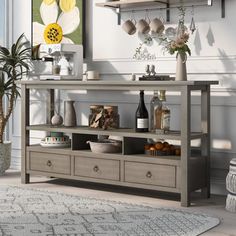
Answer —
181 28
192 24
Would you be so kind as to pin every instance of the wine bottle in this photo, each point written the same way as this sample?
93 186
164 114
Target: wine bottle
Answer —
141 116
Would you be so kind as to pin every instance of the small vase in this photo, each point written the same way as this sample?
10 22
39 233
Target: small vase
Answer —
181 71
69 114
57 120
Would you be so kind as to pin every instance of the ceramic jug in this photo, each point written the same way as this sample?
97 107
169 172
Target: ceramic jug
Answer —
69 114
181 71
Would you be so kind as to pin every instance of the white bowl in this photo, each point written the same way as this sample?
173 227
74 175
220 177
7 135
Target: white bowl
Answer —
105 146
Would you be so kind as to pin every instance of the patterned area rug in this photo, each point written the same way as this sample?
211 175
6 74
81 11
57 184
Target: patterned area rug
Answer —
28 212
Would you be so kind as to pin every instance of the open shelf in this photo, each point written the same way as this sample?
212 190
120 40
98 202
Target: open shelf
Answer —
125 132
132 3
152 3
140 5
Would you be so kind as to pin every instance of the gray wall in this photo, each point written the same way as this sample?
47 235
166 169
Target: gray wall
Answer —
109 50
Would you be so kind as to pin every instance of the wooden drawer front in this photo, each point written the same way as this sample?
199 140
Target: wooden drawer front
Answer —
97 168
47 162
153 174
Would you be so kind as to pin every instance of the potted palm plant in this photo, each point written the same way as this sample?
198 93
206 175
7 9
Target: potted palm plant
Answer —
14 64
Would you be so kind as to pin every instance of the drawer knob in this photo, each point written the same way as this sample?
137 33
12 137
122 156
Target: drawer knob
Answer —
149 174
49 163
95 168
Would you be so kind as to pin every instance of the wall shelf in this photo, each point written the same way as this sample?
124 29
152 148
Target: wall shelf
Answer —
151 5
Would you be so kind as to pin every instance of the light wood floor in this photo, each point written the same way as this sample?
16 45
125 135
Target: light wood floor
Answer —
215 206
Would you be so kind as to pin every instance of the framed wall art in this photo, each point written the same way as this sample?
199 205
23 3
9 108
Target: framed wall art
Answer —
58 21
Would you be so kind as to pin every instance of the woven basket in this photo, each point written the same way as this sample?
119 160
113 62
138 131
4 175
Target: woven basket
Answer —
231 203
231 177
231 187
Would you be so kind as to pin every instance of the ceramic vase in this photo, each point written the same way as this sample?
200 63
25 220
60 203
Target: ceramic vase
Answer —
181 71
57 120
69 114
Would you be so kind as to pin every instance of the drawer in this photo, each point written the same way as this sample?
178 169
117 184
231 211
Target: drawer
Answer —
153 174
47 162
97 168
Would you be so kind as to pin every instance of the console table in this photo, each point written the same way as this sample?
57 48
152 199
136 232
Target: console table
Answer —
132 167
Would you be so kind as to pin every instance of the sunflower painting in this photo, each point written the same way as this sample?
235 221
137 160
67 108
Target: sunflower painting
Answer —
57 21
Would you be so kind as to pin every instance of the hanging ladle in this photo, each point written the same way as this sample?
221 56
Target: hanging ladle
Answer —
192 24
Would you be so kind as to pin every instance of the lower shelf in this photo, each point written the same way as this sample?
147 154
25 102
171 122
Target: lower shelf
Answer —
140 171
87 153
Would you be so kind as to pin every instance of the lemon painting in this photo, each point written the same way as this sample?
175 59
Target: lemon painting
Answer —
57 21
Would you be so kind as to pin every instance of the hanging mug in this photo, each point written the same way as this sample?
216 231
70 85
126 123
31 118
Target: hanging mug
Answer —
157 26
143 25
129 26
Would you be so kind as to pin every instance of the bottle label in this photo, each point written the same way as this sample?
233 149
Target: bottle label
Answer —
142 123
165 121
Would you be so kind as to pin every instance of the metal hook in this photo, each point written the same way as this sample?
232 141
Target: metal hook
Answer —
147 18
192 11
161 16
132 16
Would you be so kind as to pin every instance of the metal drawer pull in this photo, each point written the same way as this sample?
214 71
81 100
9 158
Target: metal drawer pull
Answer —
49 163
95 168
149 174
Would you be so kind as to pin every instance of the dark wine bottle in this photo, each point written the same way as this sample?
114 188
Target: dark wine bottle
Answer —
141 116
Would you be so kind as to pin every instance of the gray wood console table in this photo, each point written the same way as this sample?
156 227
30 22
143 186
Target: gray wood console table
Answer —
132 167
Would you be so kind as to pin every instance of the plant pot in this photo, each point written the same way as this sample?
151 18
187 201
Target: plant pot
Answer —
181 71
5 156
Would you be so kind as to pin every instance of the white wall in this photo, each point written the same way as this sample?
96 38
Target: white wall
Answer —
2 22
110 51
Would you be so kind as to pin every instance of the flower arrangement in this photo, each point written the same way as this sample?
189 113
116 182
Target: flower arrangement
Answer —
179 44
171 44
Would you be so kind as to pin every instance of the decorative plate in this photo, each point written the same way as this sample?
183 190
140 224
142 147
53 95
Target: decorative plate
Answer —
55 144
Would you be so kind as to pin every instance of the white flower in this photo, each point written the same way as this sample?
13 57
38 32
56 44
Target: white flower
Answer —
48 2
55 27
67 5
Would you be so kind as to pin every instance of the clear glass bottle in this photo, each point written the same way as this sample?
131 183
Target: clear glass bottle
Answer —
165 113
155 105
161 116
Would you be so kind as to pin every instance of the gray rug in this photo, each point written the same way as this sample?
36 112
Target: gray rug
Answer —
28 212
